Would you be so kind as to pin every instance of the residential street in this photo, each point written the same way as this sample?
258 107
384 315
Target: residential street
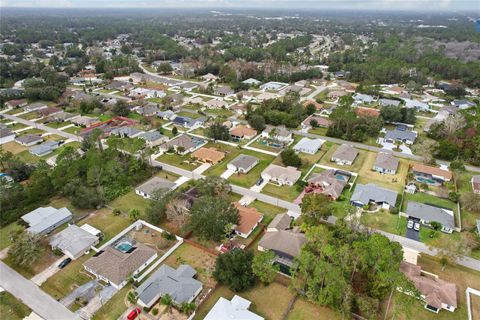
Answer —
31 295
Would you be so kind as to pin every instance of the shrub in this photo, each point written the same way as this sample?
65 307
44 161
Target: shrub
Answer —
155 311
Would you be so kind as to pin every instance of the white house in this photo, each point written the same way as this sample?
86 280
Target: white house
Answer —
236 309
281 175
307 145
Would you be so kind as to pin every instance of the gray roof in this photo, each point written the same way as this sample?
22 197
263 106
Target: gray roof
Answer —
386 161
151 136
430 213
280 222
73 239
287 242
400 135
308 144
179 284
363 97
346 153
6 132
364 193
244 161
28 138
183 140
125 131
43 218
389 102
154 184
44 148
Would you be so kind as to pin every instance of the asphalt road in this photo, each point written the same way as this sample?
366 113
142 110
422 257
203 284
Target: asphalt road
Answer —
31 295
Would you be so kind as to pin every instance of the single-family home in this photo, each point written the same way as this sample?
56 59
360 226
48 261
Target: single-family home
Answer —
281 175
344 155
438 294
428 214
476 184
73 241
389 102
45 148
327 182
264 96
28 140
235 309
126 132
216 104
315 121
16 103
62 116
209 77
279 136
307 145
362 98
208 155
415 104
180 284
223 91
148 111
335 94
386 162
117 262
167 115
403 136
35 106
273 86
84 121
242 163
463 104
182 144
242 132
431 175
154 185
46 219
153 138
48 112
239 108
365 194
367 112
119 85
251 82
249 218
189 123
284 241
6 135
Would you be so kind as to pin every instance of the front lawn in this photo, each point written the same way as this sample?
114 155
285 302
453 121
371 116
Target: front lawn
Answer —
6 232
249 179
11 308
57 124
269 211
113 309
13 147
184 162
17 126
131 145
282 192
73 130
384 220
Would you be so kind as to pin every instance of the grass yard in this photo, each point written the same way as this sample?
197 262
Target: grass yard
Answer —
105 221
11 308
389 181
461 276
131 145
73 130
262 146
13 147
220 112
66 280
129 201
33 131
60 202
184 162
192 115
303 310
247 180
57 124
6 232
385 221
282 192
46 259
230 153
320 131
355 167
269 211
200 260
17 126
114 308
29 116
14 111
269 302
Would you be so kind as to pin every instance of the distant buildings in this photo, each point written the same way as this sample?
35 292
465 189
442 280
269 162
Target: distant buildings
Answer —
46 219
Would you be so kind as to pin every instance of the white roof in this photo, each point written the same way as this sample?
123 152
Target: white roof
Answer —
43 218
90 229
73 239
309 144
236 309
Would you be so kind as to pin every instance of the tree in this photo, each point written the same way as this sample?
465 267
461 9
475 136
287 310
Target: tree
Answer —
470 201
257 122
290 158
164 68
157 206
218 131
315 208
121 109
214 187
453 124
264 268
174 131
426 148
234 269
26 249
188 307
210 217
450 249
177 211
133 214
167 301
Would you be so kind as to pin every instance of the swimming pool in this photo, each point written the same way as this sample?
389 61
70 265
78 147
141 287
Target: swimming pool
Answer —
426 180
124 246
341 177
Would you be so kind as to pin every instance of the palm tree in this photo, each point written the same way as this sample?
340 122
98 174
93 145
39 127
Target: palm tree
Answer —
188 307
167 301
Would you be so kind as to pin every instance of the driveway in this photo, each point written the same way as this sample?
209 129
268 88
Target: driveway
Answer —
43 276
204 167
31 295
227 174
86 291
98 301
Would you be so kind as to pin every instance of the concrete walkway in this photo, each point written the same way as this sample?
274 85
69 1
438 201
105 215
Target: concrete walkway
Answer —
31 295
43 276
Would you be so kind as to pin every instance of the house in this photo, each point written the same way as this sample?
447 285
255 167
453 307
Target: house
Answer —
281 175
315 121
463 104
154 185
48 112
35 106
476 184
362 98
431 175
62 116
438 294
235 309
344 155
126 132
45 148
427 214
249 218
223 91
327 182
180 284
209 155
17 103
402 136
307 145
386 163
209 77
46 219
117 262
336 94
119 85
182 144
239 108
264 96
242 163
28 140
167 115
6 135
365 194
279 136
189 123
273 86
148 111
284 241
242 132
415 104
153 138
187 86
251 82
84 121
388 102
73 241
215 104
367 112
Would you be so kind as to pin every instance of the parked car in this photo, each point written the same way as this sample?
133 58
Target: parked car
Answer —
259 182
134 313
417 226
64 263
410 224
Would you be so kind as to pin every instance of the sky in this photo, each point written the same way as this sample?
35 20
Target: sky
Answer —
428 5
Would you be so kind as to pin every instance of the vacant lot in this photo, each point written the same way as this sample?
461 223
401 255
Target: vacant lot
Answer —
303 310
130 201
11 308
385 221
6 232
184 162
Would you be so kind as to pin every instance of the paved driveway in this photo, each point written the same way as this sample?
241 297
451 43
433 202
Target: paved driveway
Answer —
227 174
43 276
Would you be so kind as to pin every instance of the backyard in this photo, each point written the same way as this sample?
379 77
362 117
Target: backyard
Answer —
303 309
109 224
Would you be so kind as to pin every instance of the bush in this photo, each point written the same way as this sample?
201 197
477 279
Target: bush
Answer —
116 212
394 210
155 311
453 196
168 236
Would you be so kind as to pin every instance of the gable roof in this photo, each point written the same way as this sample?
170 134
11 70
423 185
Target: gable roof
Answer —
309 144
242 131
244 161
28 138
154 184
73 239
345 153
329 183
280 222
422 168
282 173
183 140
364 193
43 218
431 213
178 283
287 242
209 154
248 218
386 160
401 135
236 309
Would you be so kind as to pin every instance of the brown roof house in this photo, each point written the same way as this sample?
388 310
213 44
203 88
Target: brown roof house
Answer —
328 183
386 163
431 175
320 122
344 155
249 220
209 155
242 132
283 240
437 293
476 184
117 262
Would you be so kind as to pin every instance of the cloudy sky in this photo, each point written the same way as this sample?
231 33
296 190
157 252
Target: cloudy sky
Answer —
446 5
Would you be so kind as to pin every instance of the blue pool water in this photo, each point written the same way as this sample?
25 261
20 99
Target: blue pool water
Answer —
341 177
124 246
426 180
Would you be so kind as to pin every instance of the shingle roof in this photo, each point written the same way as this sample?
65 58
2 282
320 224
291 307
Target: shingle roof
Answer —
328 182
290 174
73 239
244 161
308 144
387 161
346 153
43 218
280 222
284 241
209 154
248 218
154 184
431 213
365 193
400 135
422 168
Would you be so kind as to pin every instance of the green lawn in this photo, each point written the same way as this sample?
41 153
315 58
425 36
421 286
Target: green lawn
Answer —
131 145
184 162
219 112
11 308
130 201
262 146
109 224
320 131
192 115
5 233
428 199
64 281
248 180
384 220
284 192
29 115
269 211
57 124
17 126
230 153
303 310
114 308
355 167
73 130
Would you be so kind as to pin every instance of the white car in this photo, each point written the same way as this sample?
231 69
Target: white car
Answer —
410 224
417 226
